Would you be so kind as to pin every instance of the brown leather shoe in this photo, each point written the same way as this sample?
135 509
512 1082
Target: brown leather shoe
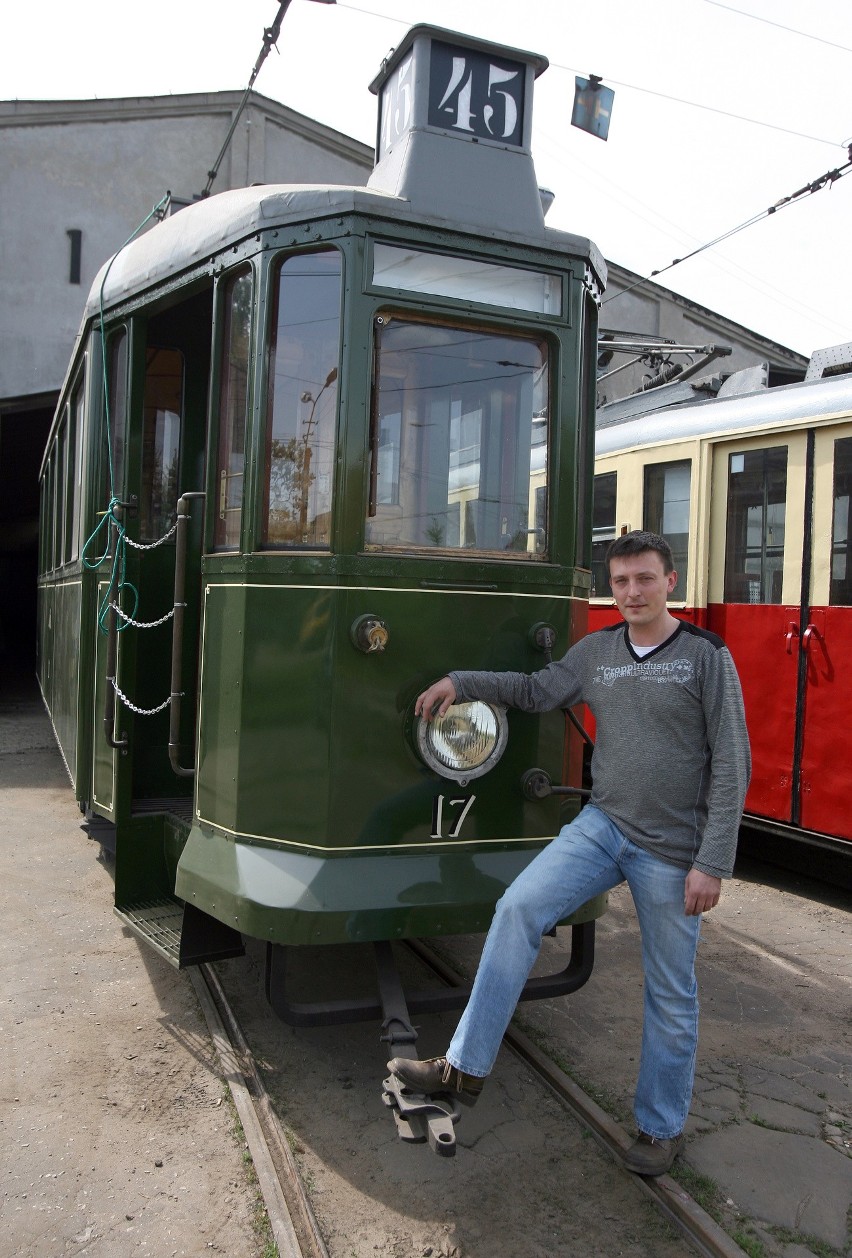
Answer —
648 1156
437 1075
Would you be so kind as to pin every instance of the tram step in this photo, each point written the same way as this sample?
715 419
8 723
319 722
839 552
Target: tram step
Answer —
179 806
180 932
158 923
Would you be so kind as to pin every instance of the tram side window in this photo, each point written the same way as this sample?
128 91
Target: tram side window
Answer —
667 487
50 510
112 478
302 406
459 440
233 405
61 489
75 473
841 546
115 471
754 542
603 530
163 410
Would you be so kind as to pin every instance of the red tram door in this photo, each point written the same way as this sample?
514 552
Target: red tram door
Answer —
779 595
825 643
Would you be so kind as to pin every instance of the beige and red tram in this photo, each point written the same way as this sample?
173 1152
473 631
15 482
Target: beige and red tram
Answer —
753 492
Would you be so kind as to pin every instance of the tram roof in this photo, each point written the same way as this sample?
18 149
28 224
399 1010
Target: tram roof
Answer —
207 227
785 405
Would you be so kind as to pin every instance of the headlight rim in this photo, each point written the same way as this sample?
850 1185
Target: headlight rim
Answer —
462 776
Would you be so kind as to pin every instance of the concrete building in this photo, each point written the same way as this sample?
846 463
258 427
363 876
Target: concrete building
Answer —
76 178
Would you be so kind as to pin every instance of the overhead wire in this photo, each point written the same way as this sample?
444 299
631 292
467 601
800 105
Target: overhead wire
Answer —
755 17
822 181
667 226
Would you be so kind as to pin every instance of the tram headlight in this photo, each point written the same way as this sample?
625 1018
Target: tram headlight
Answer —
466 742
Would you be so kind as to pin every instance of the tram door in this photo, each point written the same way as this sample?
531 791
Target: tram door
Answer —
780 574
157 451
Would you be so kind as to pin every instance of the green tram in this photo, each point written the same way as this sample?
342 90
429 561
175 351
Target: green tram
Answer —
352 429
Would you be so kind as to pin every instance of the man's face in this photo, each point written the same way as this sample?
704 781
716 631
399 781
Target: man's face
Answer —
640 587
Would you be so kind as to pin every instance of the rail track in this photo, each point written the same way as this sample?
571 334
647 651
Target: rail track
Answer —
294 1225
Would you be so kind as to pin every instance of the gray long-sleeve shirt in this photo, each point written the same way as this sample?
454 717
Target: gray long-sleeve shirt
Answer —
671 763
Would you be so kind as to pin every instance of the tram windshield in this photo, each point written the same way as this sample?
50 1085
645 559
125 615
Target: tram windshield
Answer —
459 440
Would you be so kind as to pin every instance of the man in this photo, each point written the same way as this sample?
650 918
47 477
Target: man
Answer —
670 771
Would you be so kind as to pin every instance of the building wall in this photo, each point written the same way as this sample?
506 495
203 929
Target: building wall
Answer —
98 167
655 311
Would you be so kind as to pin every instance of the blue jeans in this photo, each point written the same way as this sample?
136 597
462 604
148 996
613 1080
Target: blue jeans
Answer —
587 857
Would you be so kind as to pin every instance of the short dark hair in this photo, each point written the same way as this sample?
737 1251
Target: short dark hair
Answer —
637 543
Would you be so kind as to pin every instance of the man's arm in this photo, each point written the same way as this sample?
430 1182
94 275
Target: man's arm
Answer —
558 685
727 737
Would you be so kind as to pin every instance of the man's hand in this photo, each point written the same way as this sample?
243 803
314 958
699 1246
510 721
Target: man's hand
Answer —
701 893
441 694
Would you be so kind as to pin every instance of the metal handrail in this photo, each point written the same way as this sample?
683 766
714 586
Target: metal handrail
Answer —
183 518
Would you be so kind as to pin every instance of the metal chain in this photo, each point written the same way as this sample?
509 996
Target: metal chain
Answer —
144 624
151 545
141 711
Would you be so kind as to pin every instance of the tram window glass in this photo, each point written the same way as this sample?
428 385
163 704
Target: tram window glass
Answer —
666 512
162 411
113 474
841 546
459 445
603 530
467 279
302 405
754 542
233 404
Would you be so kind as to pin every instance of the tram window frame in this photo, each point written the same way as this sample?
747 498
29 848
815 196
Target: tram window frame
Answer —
603 529
448 529
743 582
301 464
230 426
840 587
661 513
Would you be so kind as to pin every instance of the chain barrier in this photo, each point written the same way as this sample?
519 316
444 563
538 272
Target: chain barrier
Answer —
151 545
142 711
145 624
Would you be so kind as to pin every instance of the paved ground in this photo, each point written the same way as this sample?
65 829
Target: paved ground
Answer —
115 1137
112 1123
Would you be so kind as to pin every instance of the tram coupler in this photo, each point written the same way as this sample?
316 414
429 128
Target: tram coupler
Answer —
418 1118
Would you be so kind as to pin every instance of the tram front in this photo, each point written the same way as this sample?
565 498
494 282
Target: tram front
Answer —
400 487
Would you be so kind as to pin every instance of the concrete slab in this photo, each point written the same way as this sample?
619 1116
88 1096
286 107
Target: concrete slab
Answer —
791 1181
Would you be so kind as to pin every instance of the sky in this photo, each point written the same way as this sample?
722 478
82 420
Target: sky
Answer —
721 110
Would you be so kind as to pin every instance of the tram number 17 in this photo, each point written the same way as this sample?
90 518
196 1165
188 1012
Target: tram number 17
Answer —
463 803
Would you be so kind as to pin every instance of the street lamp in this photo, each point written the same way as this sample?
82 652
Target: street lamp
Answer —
307 397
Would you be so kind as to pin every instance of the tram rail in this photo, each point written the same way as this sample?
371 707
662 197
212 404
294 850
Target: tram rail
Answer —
294 1225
